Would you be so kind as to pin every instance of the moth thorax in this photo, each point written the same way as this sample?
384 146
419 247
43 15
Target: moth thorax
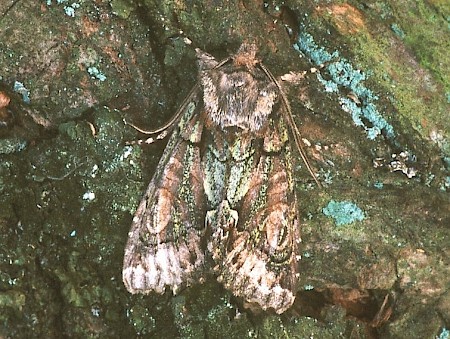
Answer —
239 100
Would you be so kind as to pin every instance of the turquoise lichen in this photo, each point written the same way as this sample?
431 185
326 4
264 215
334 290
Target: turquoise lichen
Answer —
398 31
343 212
370 114
446 185
326 176
20 88
307 45
96 73
445 334
379 185
344 76
69 10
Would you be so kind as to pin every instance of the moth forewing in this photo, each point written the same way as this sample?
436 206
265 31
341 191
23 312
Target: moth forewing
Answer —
163 247
223 197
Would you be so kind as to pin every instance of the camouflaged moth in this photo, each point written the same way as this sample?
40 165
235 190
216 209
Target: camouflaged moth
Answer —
222 198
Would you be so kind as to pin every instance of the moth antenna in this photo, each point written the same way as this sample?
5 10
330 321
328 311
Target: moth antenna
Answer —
164 130
292 124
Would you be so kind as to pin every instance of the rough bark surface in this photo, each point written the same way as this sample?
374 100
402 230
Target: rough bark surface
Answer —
374 118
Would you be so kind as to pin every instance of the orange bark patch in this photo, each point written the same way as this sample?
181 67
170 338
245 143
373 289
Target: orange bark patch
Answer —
346 18
89 27
4 99
5 116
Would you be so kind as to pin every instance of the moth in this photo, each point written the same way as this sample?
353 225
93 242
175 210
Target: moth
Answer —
222 199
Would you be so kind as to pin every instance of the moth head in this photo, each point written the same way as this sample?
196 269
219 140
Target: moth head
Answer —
246 56
237 92
238 98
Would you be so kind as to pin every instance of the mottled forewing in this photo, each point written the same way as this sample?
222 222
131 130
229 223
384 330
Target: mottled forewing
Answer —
163 247
254 245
